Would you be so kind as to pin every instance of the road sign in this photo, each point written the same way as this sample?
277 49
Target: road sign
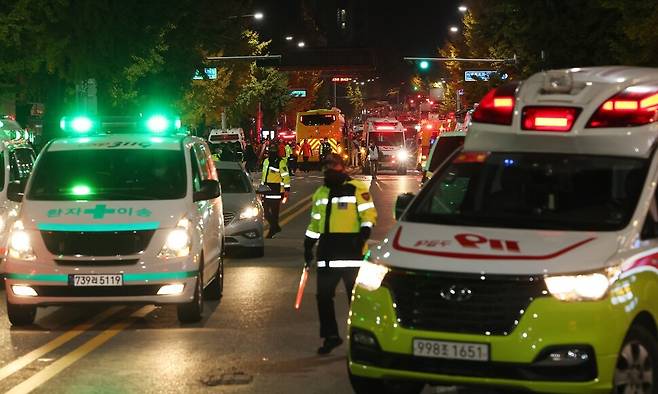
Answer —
211 73
298 93
341 79
481 75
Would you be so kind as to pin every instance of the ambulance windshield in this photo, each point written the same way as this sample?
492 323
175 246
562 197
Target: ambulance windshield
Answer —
533 191
104 174
386 138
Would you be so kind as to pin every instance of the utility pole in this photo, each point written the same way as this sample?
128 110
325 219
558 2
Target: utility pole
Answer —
335 94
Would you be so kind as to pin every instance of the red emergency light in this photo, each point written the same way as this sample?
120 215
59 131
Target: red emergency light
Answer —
385 127
429 126
633 106
497 106
549 118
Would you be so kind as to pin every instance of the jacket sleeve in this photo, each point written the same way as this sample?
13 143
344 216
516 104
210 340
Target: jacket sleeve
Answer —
365 206
285 174
266 165
313 229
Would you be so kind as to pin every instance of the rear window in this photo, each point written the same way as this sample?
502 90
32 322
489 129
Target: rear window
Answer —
318 120
445 146
234 181
534 191
104 174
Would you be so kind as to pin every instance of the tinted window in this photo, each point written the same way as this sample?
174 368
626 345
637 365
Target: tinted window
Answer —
128 174
318 120
234 181
444 148
530 190
384 138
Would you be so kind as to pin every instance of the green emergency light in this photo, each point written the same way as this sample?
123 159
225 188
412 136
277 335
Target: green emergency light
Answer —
78 124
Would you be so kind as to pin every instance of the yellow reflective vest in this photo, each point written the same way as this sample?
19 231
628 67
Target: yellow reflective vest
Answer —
337 217
276 176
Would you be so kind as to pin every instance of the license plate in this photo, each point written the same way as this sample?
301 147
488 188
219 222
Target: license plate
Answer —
93 280
451 350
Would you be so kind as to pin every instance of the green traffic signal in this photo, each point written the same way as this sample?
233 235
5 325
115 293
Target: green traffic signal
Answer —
424 65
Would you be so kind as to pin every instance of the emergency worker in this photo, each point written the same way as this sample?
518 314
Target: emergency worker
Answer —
342 218
277 181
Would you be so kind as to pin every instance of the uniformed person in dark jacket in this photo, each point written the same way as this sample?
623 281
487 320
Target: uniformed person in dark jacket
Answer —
342 218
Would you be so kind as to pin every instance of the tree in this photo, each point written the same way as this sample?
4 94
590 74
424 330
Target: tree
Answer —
355 97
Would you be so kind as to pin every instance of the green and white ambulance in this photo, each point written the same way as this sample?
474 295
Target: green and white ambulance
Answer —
124 211
530 259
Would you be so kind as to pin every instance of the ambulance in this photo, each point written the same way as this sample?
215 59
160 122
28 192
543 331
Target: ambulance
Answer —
530 260
223 136
123 211
389 136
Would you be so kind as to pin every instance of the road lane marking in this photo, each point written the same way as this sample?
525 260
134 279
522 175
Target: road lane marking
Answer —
66 361
307 200
293 215
37 353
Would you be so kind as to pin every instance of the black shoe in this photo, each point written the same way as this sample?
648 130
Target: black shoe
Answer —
273 232
329 344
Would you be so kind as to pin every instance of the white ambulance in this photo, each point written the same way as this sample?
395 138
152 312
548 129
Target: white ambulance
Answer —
223 136
530 259
118 218
388 135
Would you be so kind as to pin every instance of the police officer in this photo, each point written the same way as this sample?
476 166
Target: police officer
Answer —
325 149
342 218
277 179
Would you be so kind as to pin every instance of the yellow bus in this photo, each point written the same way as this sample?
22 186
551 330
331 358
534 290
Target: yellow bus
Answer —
318 124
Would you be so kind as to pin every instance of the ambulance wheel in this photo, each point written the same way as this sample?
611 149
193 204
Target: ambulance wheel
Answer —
21 315
362 385
192 312
215 288
636 370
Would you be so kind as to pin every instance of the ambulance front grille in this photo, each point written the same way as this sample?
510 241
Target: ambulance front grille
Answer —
104 243
462 303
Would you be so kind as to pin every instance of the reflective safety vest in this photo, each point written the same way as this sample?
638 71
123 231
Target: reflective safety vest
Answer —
337 216
288 151
277 177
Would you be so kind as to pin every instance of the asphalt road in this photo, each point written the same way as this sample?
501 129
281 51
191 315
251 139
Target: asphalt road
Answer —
252 341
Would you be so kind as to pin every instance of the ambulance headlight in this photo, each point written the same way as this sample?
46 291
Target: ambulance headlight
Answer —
178 241
20 245
585 287
249 213
371 275
403 155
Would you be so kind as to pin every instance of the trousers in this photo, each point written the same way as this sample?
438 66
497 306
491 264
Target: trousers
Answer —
271 208
328 279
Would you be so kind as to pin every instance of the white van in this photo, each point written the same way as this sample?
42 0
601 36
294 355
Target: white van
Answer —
529 261
388 135
118 218
221 136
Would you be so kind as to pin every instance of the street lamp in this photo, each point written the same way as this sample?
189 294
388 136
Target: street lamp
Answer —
258 16
301 44
454 29
289 38
462 8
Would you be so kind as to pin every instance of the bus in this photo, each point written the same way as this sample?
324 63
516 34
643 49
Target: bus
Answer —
318 124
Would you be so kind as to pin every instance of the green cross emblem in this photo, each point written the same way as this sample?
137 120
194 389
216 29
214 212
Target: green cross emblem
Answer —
99 211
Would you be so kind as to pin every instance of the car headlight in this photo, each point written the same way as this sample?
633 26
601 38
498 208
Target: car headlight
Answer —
20 246
371 275
178 241
403 155
584 287
249 213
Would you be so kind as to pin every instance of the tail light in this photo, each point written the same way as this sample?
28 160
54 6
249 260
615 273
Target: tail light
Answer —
633 106
497 106
549 118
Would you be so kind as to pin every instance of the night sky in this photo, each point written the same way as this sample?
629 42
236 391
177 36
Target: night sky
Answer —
395 29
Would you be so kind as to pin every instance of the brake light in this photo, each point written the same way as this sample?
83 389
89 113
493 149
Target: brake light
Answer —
633 106
497 106
385 127
549 118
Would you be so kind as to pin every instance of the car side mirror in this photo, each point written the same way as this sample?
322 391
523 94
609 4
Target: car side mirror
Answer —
402 203
16 191
209 189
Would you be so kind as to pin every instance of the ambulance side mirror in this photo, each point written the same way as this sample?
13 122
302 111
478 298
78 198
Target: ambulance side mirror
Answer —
209 190
402 203
15 191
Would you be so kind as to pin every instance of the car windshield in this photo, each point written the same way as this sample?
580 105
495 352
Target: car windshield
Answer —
234 181
318 120
386 138
127 174
534 191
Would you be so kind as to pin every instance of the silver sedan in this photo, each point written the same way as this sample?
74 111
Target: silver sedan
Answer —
243 212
